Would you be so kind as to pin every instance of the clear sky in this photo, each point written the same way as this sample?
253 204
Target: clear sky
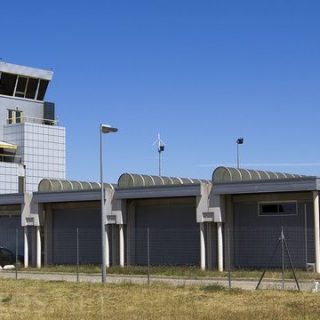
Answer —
202 73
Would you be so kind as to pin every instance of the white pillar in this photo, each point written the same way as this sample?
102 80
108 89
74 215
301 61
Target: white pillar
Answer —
107 246
316 230
220 246
121 245
202 247
38 247
209 245
26 247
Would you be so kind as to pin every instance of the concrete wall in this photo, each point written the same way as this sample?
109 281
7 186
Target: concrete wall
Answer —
42 151
30 108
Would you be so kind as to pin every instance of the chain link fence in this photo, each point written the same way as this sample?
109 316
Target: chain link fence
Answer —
248 252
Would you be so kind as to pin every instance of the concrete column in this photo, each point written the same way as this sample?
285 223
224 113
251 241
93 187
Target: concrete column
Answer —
220 246
26 247
38 237
107 246
121 245
202 247
316 230
209 245
33 246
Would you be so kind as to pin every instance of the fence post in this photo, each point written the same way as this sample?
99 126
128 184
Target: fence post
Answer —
282 256
229 258
305 235
78 258
148 253
17 233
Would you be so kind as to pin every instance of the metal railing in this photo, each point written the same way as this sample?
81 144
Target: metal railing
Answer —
24 119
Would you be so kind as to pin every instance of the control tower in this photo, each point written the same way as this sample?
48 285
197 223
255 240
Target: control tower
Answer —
32 144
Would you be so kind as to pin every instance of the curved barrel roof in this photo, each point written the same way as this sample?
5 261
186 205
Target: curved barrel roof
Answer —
130 180
56 185
227 174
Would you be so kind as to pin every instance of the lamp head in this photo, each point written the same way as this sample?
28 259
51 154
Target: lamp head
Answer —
106 128
240 141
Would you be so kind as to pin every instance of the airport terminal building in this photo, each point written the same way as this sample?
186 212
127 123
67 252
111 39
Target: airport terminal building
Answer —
233 219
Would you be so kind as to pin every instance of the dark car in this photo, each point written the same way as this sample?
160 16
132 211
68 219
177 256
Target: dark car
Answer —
8 257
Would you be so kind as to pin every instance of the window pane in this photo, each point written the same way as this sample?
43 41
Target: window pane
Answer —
7 83
32 88
278 209
288 208
10 116
42 89
21 84
269 208
18 116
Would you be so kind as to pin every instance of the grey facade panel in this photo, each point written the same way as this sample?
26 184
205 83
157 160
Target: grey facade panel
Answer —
64 235
13 198
159 192
288 185
255 237
173 232
67 196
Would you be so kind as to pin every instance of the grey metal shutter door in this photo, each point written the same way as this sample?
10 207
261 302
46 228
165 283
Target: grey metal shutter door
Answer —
8 227
174 234
64 244
255 237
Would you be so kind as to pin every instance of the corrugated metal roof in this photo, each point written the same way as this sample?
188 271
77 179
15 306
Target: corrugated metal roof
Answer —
130 180
57 185
227 174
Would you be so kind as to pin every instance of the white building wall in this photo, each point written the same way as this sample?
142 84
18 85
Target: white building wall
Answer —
30 108
42 151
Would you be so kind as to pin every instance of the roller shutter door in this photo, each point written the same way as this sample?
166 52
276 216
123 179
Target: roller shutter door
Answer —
8 226
173 231
64 235
256 237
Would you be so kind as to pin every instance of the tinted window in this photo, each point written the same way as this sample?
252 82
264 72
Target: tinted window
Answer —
278 209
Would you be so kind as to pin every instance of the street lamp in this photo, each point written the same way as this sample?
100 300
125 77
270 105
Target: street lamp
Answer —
239 141
104 128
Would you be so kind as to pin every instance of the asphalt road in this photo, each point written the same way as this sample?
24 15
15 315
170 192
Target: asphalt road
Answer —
235 283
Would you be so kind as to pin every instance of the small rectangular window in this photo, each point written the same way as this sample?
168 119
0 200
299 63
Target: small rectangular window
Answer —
15 116
278 208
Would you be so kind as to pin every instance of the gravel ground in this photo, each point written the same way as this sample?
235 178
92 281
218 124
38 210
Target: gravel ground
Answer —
235 283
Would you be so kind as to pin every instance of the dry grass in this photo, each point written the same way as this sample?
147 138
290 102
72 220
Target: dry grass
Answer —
189 272
60 300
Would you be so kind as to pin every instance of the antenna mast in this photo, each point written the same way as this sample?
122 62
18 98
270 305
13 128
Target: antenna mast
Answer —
160 148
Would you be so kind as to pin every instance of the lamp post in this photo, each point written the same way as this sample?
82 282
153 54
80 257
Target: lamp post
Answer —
239 141
104 128
160 149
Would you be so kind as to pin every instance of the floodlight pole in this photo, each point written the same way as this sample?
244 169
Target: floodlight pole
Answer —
104 231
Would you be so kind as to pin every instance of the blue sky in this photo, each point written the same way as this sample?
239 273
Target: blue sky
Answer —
202 73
